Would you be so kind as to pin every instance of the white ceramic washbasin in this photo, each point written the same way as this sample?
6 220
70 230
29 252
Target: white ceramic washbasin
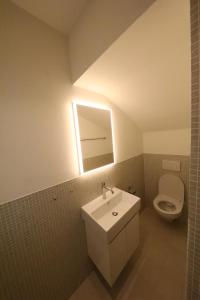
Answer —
108 216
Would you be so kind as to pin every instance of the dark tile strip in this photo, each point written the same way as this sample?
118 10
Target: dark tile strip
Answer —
193 276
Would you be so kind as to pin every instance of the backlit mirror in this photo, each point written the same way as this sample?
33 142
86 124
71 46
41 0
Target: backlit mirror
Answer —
94 136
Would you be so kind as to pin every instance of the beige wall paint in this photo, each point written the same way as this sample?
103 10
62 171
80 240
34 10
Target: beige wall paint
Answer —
38 147
175 142
99 25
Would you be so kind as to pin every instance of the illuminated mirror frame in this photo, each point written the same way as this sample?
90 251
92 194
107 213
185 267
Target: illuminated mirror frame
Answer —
77 133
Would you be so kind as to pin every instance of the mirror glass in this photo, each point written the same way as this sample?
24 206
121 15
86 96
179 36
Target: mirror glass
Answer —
94 137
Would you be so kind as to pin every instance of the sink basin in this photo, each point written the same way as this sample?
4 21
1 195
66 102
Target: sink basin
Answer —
108 216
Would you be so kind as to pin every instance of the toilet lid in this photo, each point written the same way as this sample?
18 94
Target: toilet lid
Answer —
172 186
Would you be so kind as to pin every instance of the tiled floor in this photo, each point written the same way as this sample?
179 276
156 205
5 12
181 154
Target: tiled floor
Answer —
156 272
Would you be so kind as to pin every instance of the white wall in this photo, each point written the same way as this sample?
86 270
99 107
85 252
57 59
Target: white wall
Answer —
147 70
100 23
175 142
38 146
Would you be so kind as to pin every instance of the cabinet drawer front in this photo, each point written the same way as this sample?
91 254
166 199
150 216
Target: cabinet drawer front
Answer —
118 254
132 235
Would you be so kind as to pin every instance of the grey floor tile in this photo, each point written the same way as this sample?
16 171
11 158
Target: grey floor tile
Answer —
157 270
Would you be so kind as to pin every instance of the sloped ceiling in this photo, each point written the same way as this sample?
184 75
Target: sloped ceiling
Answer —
59 14
146 72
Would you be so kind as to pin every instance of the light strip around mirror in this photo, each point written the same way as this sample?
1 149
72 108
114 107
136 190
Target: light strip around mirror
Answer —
77 132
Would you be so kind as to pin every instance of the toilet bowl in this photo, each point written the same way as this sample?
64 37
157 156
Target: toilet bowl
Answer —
170 199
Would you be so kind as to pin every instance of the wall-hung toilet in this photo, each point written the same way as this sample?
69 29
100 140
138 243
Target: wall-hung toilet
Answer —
170 199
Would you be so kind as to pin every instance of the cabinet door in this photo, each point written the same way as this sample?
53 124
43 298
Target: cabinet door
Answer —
132 235
118 255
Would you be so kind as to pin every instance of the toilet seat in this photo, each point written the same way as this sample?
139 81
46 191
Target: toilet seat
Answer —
178 205
170 199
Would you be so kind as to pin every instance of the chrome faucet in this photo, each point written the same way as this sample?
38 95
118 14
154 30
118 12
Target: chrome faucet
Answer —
105 189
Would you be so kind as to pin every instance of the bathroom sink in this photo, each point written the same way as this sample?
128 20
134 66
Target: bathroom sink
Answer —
108 216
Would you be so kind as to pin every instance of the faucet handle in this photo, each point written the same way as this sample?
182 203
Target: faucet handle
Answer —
103 184
112 189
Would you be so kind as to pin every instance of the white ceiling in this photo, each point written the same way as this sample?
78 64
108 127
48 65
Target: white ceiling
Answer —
59 14
146 72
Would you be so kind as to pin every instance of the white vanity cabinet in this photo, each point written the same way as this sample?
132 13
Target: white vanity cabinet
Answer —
132 235
112 230
111 257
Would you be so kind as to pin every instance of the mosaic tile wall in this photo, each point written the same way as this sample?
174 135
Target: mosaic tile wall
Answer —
193 279
43 253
